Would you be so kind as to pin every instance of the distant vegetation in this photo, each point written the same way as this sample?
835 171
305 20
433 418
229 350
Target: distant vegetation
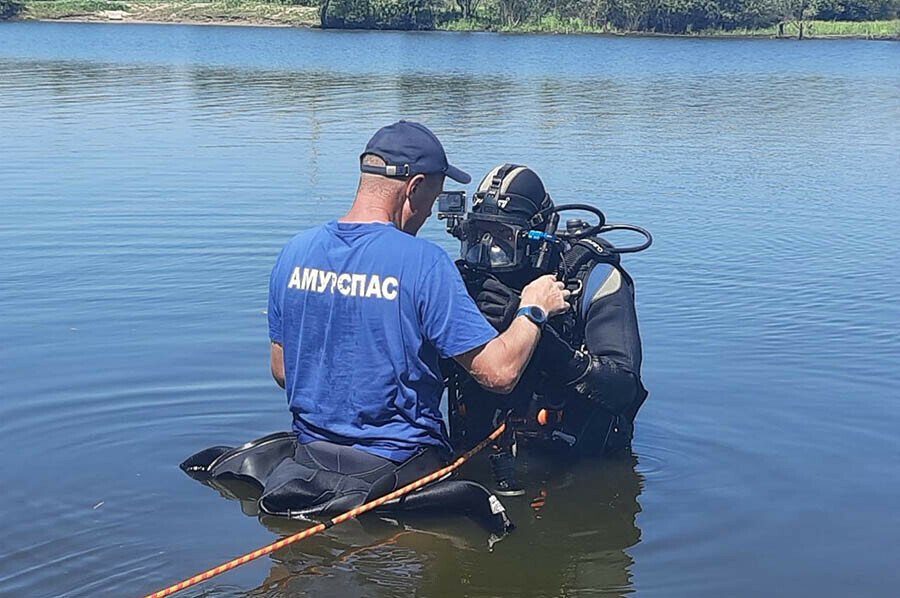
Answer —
796 18
9 9
786 17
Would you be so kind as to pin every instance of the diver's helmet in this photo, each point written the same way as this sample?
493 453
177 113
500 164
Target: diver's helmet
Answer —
506 206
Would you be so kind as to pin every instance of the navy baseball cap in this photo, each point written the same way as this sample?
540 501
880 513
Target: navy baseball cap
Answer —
409 148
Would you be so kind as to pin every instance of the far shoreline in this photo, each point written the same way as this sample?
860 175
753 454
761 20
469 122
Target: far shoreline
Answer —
287 16
99 20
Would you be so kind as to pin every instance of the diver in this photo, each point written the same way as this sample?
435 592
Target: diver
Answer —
360 312
582 390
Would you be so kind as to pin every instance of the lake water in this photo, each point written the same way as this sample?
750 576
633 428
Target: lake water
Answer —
150 174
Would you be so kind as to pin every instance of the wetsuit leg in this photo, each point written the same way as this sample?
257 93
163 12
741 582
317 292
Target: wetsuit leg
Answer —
598 431
328 479
322 478
252 462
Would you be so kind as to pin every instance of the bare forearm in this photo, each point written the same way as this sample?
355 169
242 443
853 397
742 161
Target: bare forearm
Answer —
500 364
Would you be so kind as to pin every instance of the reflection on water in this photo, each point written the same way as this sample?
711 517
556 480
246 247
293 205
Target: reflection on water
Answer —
578 530
151 174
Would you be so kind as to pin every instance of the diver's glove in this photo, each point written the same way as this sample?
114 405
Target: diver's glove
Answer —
497 302
607 384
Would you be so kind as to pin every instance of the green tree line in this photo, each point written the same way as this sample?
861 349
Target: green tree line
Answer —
786 17
661 16
8 9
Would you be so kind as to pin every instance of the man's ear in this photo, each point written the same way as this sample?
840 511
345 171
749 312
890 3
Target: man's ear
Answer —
414 184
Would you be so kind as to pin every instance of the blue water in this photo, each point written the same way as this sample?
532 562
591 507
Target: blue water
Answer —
150 174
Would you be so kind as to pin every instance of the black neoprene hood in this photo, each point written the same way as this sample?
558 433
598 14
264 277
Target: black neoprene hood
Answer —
519 193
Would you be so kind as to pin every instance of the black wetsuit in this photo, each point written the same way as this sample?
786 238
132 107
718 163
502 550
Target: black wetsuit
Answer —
277 475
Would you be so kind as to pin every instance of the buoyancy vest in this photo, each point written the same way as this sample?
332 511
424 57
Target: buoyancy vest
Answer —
605 321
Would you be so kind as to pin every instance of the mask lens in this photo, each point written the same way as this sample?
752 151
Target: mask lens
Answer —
491 245
502 255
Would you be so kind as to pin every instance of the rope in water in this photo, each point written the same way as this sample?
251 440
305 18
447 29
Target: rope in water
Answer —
332 522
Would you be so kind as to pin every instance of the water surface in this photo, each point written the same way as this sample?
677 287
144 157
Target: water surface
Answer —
150 174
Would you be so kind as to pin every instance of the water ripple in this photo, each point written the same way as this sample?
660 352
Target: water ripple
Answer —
151 174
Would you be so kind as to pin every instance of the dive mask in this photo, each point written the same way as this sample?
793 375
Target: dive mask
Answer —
490 242
494 243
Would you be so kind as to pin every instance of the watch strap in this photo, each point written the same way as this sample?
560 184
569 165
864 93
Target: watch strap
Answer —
527 312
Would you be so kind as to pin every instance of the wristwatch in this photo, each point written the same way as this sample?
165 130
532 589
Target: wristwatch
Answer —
533 313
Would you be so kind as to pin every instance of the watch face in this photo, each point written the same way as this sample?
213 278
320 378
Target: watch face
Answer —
537 314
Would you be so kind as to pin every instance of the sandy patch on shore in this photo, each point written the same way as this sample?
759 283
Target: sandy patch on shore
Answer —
196 13
134 20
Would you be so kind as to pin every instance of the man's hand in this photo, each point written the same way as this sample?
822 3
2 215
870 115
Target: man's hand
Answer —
548 293
277 363
497 302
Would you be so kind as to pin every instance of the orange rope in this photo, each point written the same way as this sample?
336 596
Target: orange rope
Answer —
323 526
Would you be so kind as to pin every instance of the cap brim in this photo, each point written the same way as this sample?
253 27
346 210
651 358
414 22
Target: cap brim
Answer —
457 175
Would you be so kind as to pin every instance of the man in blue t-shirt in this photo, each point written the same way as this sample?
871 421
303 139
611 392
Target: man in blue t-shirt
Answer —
361 310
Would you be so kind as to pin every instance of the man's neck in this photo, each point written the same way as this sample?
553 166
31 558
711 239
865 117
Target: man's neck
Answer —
370 209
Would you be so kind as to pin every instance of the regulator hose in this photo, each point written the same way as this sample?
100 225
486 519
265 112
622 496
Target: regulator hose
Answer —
596 229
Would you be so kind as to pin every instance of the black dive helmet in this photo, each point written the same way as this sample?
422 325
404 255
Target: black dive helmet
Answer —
512 228
503 213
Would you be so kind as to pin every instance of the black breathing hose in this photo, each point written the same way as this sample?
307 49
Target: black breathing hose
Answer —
632 227
597 229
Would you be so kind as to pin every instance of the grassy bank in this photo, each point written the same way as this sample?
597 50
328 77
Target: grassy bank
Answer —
889 29
267 12
825 29
248 12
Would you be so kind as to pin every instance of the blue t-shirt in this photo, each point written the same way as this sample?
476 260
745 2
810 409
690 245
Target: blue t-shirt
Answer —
363 312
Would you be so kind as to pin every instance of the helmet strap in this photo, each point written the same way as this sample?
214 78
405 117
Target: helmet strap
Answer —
491 199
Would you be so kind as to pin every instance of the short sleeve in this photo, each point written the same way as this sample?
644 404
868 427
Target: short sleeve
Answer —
276 291
450 319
